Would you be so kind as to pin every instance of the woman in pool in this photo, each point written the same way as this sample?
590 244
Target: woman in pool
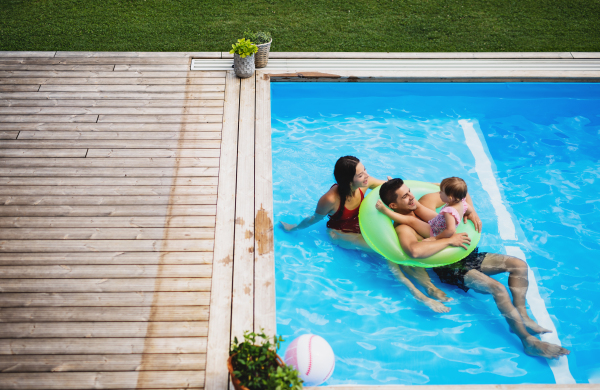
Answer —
341 203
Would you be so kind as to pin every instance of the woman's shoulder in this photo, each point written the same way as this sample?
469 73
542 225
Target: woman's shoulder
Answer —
329 199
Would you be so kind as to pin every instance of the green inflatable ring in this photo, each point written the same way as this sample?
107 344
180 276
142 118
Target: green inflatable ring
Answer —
378 231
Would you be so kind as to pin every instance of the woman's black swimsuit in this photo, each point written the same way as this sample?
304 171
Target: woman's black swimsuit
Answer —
454 274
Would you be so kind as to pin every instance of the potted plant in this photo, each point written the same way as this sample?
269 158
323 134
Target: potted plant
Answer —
263 40
255 365
243 57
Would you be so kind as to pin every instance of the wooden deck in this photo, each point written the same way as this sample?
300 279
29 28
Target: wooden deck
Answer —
113 179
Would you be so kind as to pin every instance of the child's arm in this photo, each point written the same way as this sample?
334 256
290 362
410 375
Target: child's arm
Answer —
450 227
425 213
419 226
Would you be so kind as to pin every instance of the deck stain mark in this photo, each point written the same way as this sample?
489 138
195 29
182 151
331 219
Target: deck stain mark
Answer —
239 221
263 226
225 261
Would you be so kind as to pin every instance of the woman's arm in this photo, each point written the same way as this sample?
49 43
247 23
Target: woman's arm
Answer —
450 227
374 183
325 206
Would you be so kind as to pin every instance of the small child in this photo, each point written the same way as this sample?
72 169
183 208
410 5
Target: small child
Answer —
453 191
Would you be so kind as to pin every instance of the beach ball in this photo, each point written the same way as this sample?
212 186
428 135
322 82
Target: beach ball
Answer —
313 357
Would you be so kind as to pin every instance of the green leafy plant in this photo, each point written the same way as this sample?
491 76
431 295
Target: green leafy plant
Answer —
255 365
243 48
258 37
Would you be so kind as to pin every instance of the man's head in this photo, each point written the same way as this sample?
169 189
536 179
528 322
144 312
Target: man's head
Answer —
395 194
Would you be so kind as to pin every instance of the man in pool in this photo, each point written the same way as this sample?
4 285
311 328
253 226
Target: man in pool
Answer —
474 270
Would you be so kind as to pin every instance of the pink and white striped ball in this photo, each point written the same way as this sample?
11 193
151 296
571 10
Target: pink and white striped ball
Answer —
313 357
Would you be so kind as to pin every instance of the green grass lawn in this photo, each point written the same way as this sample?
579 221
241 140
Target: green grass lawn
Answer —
311 25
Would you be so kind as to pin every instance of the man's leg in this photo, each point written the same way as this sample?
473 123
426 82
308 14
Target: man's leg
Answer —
422 277
482 283
518 283
419 296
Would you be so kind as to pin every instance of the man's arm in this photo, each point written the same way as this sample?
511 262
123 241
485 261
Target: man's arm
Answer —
422 249
472 215
416 293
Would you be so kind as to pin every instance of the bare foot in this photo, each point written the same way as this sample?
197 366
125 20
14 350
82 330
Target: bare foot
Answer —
535 347
437 306
438 294
533 327
287 226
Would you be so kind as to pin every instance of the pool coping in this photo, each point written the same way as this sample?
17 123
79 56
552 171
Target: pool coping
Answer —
254 107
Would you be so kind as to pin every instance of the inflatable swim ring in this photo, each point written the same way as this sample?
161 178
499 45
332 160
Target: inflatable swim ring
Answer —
378 231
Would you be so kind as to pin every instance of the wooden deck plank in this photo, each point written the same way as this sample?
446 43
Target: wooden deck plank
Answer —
102 363
105 271
108 172
19 88
264 259
96 72
105 245
151 68
243 261
9 134
220 320
108 190
112 162
160 118
104 380
48 118
103 285
128 135
68 346
109 144
118 88
112 80
108 103
88 300
115 110
13 153
103 181
105 211
107 127
85 233
104 314
141 258
41 200
98 60
183 221
36 54
58 68
203 95
156 153
138 54
103 329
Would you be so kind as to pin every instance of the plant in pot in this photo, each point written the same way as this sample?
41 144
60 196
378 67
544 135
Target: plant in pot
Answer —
263 40
243 57
254 365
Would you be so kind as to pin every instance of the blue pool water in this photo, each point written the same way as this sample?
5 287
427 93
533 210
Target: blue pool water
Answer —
544 144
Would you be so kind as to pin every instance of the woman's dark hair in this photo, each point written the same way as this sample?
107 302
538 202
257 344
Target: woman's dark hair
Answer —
387 192
454 187
344 171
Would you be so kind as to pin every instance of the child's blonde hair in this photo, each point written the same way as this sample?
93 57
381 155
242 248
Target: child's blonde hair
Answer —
454 187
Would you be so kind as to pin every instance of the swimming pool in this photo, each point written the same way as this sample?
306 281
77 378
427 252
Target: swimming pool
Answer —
542 144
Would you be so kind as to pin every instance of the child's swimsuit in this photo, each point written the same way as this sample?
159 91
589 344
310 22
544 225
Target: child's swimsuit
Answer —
347 222
438 224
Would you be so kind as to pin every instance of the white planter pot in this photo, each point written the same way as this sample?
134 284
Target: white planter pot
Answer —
244 67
